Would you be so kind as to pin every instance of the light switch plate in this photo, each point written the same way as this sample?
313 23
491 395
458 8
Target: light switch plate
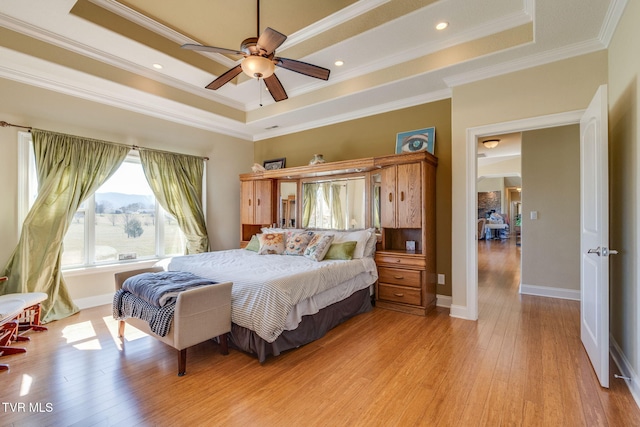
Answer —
534 214
440 279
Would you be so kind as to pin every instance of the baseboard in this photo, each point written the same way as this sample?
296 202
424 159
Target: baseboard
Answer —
94 301
626 370
546 291
459 311
443 301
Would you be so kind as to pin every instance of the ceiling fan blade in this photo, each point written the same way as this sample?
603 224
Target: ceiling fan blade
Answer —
275 88
303 68
225 78
270 40
202 48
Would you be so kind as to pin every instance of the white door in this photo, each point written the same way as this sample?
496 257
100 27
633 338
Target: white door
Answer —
594 223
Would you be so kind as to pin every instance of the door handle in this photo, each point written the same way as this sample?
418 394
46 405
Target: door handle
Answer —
605 251
594 251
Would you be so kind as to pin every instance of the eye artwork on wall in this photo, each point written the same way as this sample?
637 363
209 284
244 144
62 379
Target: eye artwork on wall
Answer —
416 140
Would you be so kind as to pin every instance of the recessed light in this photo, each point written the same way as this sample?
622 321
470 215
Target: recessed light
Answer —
442 25
157 66
339 63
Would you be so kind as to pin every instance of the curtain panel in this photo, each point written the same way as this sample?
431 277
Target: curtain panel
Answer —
176 181
69 169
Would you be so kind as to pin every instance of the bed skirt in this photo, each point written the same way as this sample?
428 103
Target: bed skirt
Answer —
311 327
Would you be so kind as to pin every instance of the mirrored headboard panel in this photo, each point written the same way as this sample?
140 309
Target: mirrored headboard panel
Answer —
339 203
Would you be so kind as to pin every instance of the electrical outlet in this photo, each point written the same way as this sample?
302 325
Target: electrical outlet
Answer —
440 279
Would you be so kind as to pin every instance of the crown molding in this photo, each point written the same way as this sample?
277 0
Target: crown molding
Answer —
162 30
357 114
50 76
492 27
348 13
611 20
90 52
530 61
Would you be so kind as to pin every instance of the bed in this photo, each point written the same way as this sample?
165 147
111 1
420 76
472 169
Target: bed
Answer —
280 302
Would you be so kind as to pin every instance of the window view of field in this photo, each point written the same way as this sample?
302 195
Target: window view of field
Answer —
124 225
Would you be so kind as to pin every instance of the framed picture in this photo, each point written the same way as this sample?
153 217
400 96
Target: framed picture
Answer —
416 140
274 164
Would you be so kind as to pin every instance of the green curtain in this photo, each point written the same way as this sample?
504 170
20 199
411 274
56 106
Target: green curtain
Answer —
69 170
331 194
309 191
337 212
176 181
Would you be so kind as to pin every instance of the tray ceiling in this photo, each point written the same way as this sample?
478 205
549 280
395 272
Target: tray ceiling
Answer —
104 50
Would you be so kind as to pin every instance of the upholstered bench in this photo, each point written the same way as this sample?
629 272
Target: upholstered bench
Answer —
200 314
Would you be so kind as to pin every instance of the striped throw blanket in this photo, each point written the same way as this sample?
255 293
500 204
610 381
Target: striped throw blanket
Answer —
152 297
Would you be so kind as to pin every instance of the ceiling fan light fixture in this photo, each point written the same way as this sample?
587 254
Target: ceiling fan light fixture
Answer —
257 67
491 143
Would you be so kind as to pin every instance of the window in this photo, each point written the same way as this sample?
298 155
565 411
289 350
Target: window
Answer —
120 222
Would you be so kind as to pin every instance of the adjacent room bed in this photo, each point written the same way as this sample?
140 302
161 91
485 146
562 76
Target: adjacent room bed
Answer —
286 292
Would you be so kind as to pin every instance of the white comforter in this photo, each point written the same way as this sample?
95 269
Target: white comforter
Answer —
266 288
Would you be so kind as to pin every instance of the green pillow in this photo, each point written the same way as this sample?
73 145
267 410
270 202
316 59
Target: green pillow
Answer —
341 250
254 244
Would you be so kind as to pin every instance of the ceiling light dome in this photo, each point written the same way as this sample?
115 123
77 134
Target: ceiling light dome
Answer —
491 143
257 67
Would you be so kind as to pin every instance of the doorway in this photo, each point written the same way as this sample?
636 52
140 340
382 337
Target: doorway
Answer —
470 311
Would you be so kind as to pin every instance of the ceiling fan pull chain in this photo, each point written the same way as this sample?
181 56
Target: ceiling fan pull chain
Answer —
260 90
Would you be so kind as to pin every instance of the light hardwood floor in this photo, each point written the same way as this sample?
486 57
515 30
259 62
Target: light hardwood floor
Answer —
521 363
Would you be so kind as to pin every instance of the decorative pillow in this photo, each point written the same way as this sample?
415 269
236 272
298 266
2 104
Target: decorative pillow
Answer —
254 244
359 236
297 242
370 247
318 246
341 250
271 243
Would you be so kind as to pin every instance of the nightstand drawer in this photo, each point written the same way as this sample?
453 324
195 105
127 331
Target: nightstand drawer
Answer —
408 261
399 276
399 294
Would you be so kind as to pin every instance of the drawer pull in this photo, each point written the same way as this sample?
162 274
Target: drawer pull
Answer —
398 261
398 294
398 277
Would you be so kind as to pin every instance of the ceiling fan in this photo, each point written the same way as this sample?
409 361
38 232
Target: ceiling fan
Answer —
260 61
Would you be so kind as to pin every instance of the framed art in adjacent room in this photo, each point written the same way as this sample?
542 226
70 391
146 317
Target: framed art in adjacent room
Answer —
274 164
416 140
